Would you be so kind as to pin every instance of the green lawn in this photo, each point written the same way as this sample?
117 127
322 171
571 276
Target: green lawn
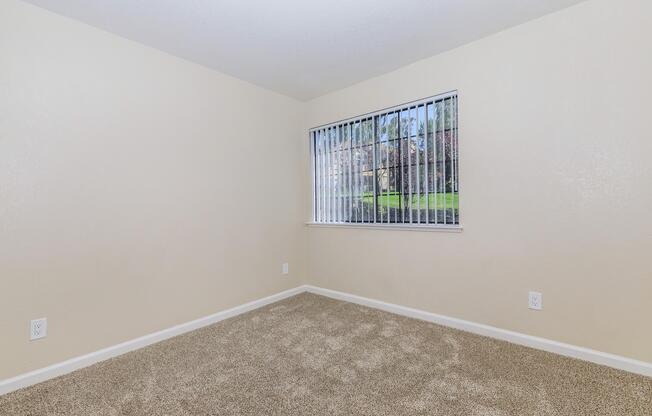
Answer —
451 200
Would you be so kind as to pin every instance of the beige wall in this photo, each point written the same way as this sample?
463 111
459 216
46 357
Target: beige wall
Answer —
127 184
124 186
556 183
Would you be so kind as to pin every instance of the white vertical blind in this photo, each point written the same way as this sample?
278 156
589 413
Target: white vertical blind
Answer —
394 166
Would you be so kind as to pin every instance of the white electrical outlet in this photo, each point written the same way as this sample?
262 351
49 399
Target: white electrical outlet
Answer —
285 269
38 328
535 301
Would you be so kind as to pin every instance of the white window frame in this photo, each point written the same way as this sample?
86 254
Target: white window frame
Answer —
413 224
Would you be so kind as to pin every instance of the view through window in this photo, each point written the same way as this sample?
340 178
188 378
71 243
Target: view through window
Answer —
396 166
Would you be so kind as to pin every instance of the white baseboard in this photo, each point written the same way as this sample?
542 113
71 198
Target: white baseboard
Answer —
586 354
55 370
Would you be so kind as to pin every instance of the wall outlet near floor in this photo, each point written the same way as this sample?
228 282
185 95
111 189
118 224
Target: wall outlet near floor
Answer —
38 328
535 301
285 269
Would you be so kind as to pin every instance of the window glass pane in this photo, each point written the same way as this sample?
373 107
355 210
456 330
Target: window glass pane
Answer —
398 166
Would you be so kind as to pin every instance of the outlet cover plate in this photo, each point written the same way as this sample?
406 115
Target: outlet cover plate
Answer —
38 328
535 301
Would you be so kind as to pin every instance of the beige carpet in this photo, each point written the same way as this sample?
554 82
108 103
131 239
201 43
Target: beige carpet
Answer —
309 355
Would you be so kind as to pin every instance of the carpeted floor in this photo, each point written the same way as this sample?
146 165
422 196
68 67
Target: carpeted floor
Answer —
310 355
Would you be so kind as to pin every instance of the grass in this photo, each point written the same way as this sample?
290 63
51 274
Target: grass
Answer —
434 200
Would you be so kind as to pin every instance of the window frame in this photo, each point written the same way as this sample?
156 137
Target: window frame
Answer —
397 109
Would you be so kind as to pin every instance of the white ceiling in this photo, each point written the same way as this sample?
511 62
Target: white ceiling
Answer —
303 48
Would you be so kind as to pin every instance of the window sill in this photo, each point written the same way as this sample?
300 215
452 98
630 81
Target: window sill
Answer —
403 227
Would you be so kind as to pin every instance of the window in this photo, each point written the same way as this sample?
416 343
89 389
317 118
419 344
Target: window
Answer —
396 166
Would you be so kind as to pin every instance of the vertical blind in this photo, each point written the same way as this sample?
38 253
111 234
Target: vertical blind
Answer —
396 166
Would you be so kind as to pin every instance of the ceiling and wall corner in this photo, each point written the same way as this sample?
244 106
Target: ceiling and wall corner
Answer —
300 48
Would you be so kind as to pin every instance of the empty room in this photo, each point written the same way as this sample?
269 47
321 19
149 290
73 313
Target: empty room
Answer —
311 207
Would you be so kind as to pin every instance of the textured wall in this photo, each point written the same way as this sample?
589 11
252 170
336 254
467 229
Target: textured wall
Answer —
137 190
126 176
555 146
